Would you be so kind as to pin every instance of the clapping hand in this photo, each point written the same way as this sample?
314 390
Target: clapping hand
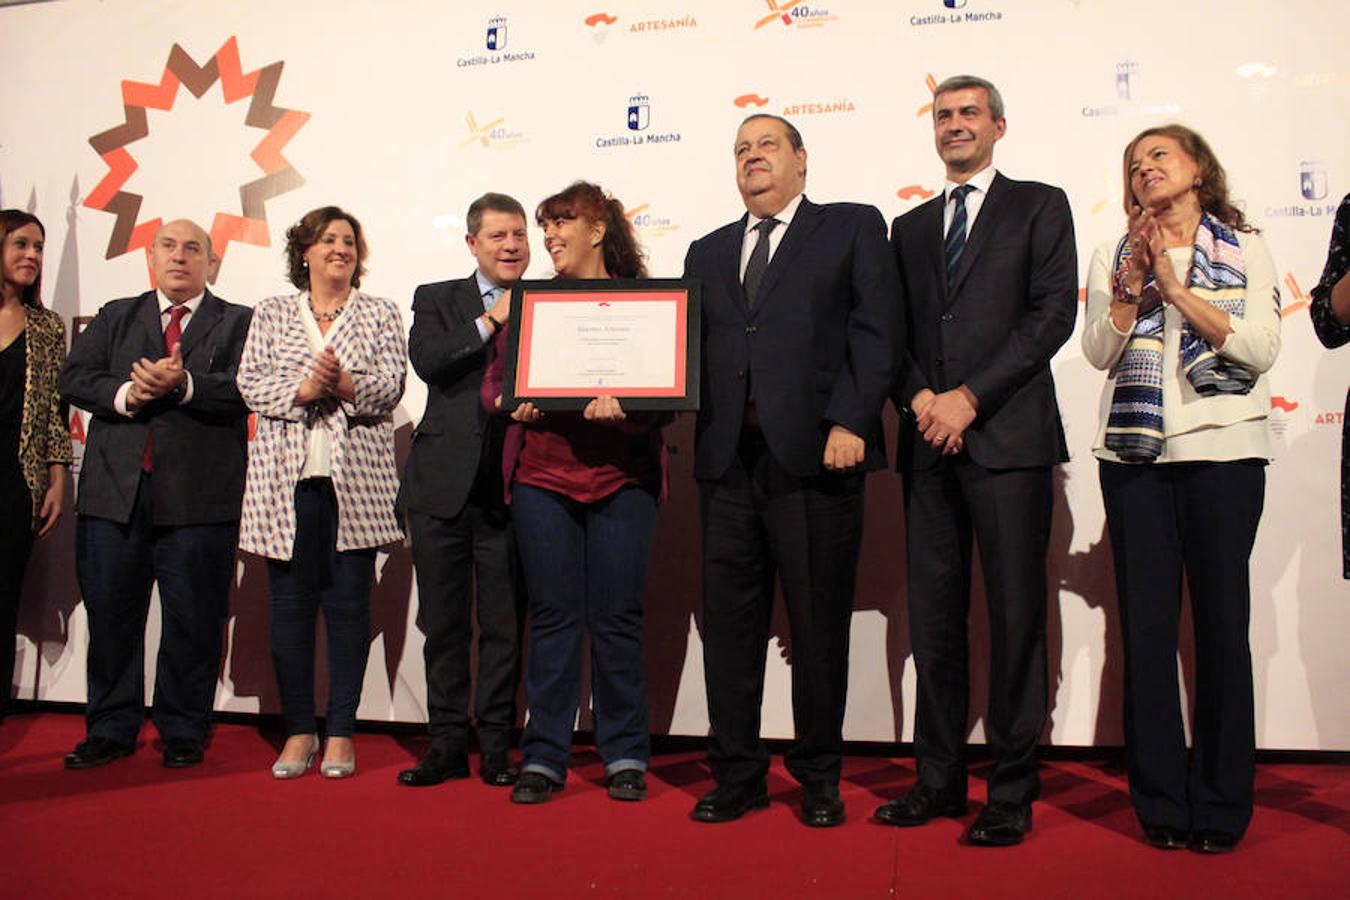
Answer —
152 380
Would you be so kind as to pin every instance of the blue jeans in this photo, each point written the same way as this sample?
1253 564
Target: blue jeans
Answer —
319 576
585 569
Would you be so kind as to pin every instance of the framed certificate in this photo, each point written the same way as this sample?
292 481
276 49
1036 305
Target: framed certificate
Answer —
633 339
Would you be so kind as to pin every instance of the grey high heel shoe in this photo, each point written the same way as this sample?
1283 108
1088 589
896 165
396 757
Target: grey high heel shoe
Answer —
330 769
283 770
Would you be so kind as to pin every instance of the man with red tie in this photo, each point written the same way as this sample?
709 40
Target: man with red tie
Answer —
159 497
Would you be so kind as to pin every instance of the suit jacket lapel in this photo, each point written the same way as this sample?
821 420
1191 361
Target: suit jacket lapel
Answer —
465 300
985 224
729 263
208 314
805 221
929 228
148 316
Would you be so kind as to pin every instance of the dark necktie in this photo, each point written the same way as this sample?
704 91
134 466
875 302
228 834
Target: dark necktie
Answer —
759 261
956 234
172 333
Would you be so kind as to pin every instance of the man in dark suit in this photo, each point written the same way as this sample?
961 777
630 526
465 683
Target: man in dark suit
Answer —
452 491
990 275
800 337
159 497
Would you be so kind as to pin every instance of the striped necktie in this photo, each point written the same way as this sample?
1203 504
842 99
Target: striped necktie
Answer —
956 234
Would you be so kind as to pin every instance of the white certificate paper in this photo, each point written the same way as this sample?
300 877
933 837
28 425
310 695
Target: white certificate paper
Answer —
586 344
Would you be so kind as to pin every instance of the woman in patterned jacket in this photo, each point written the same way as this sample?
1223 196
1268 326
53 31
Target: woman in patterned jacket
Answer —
323 369
1183 312
34 437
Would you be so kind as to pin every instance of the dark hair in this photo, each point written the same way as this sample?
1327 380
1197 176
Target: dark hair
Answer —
794 136
623 256
1212 191
13 220
963 82
306 233
502 203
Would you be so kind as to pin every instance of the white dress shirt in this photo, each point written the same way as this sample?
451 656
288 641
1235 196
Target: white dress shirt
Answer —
775 237
980 181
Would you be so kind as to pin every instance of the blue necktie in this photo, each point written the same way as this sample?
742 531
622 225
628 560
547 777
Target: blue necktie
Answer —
956 234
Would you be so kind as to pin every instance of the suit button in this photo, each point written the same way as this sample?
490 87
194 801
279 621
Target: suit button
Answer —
751 329
740 373
938 361
947 317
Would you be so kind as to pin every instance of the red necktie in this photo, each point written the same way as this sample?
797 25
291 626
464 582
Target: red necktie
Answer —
171 335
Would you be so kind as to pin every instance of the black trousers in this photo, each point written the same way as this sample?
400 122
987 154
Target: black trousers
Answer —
116 565
1199 519
1007 512
761 523
16 542
468 564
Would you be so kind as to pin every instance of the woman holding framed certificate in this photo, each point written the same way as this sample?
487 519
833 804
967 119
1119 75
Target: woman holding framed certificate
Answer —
584 490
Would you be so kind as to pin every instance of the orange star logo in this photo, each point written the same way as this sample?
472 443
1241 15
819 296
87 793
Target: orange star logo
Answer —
927 108
278 123
1301 300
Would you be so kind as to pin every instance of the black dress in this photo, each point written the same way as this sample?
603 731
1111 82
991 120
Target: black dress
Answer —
16 505
1333 333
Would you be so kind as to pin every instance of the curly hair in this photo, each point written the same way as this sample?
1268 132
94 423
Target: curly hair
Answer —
623 255
1212 189
306 233
13 220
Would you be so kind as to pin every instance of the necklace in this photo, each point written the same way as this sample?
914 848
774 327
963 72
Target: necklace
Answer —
326 316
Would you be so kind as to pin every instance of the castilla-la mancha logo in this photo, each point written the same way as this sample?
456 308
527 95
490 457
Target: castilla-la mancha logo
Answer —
637 119
278 124
496 33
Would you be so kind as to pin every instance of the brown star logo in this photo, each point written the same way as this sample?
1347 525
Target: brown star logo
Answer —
280 125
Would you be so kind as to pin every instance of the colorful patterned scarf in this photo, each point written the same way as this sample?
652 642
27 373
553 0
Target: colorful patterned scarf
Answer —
1134 426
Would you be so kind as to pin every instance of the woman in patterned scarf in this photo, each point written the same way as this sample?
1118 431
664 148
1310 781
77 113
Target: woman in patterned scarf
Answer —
1184 315
323 369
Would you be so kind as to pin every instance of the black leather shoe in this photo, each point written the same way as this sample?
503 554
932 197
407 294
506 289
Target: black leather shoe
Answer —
627 784
182 753
920 806
1166 838
821 806
728 802
1214 842
437 766
498 771
96 751
534 787
1000 825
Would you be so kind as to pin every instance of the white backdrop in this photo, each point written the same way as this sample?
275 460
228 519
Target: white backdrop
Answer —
403 112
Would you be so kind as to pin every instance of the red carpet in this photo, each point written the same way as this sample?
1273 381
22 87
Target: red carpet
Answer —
226 829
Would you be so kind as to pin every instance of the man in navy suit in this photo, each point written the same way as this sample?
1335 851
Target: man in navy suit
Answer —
452 491
801 331
160 491
991 281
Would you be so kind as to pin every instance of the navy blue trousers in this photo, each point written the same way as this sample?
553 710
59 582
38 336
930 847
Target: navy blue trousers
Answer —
318 576
116 565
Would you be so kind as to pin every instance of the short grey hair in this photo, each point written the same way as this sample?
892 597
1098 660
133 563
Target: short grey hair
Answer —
961 82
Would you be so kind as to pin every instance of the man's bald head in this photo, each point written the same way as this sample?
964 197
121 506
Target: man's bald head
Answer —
181 258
